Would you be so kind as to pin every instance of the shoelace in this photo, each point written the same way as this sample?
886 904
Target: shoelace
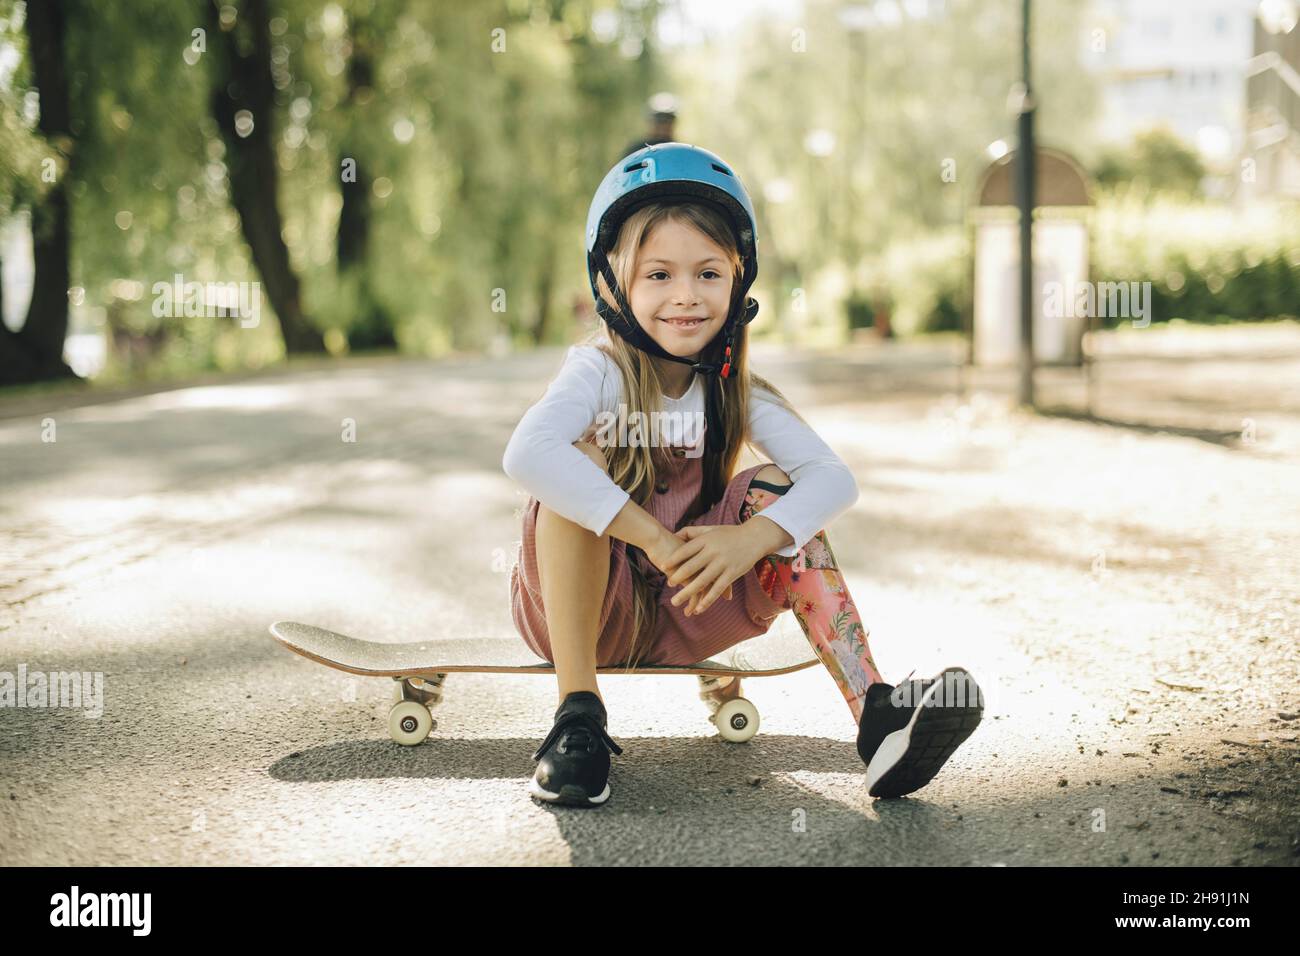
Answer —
577 729
885 700
946 695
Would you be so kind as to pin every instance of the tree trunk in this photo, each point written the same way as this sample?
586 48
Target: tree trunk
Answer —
545 291
243 82
372 326
35 351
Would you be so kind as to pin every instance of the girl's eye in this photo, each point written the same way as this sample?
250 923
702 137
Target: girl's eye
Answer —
662 273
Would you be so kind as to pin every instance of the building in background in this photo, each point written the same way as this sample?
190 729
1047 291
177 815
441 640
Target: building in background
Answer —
1175 63
1271 164
1223 75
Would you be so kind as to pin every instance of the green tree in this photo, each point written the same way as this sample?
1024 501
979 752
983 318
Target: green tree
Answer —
1158 161
244 104
35 351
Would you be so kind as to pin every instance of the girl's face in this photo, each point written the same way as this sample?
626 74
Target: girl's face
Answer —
680 274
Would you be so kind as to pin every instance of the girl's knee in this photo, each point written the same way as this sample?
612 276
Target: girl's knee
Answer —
767 484
772 475
549 518
593 452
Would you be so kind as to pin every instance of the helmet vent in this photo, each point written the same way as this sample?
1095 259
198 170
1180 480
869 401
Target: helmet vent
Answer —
635 166
722 169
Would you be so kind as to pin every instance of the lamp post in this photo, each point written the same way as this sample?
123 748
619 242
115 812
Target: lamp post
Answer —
857 19
1023 101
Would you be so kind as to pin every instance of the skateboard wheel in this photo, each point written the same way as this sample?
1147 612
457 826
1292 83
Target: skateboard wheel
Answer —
409 723
736 720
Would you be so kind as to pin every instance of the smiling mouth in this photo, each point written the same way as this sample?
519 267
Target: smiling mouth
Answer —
684 324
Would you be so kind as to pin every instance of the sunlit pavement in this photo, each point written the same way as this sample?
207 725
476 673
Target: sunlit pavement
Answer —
1127 598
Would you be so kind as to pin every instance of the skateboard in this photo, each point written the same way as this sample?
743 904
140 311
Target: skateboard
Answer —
419 669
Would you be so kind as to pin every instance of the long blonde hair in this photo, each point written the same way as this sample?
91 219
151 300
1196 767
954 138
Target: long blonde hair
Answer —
634 467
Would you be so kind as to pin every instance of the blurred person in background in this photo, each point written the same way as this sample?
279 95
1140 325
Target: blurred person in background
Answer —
661 112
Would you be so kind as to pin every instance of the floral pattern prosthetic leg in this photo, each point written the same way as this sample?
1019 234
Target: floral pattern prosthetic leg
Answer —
812 586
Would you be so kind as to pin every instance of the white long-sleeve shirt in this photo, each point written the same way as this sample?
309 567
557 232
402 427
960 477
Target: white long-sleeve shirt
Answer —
541 457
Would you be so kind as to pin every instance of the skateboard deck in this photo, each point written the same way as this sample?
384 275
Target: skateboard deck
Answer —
421 667
777 652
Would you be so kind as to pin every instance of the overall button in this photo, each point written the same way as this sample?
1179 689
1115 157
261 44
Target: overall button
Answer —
661 487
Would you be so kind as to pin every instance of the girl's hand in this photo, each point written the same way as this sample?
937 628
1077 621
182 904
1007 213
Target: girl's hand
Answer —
664 547
711 559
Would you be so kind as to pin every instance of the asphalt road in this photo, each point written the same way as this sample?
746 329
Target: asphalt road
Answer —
1126 595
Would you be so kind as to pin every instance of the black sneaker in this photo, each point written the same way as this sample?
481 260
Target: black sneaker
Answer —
907 732
573 766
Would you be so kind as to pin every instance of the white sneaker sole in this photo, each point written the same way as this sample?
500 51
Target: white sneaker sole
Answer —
910 758
568 796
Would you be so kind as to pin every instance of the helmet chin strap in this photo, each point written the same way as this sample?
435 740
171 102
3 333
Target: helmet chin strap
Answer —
624 323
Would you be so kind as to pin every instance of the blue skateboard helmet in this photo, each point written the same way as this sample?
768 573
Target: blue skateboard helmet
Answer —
672 172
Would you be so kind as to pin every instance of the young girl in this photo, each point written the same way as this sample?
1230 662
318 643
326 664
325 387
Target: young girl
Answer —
639 543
